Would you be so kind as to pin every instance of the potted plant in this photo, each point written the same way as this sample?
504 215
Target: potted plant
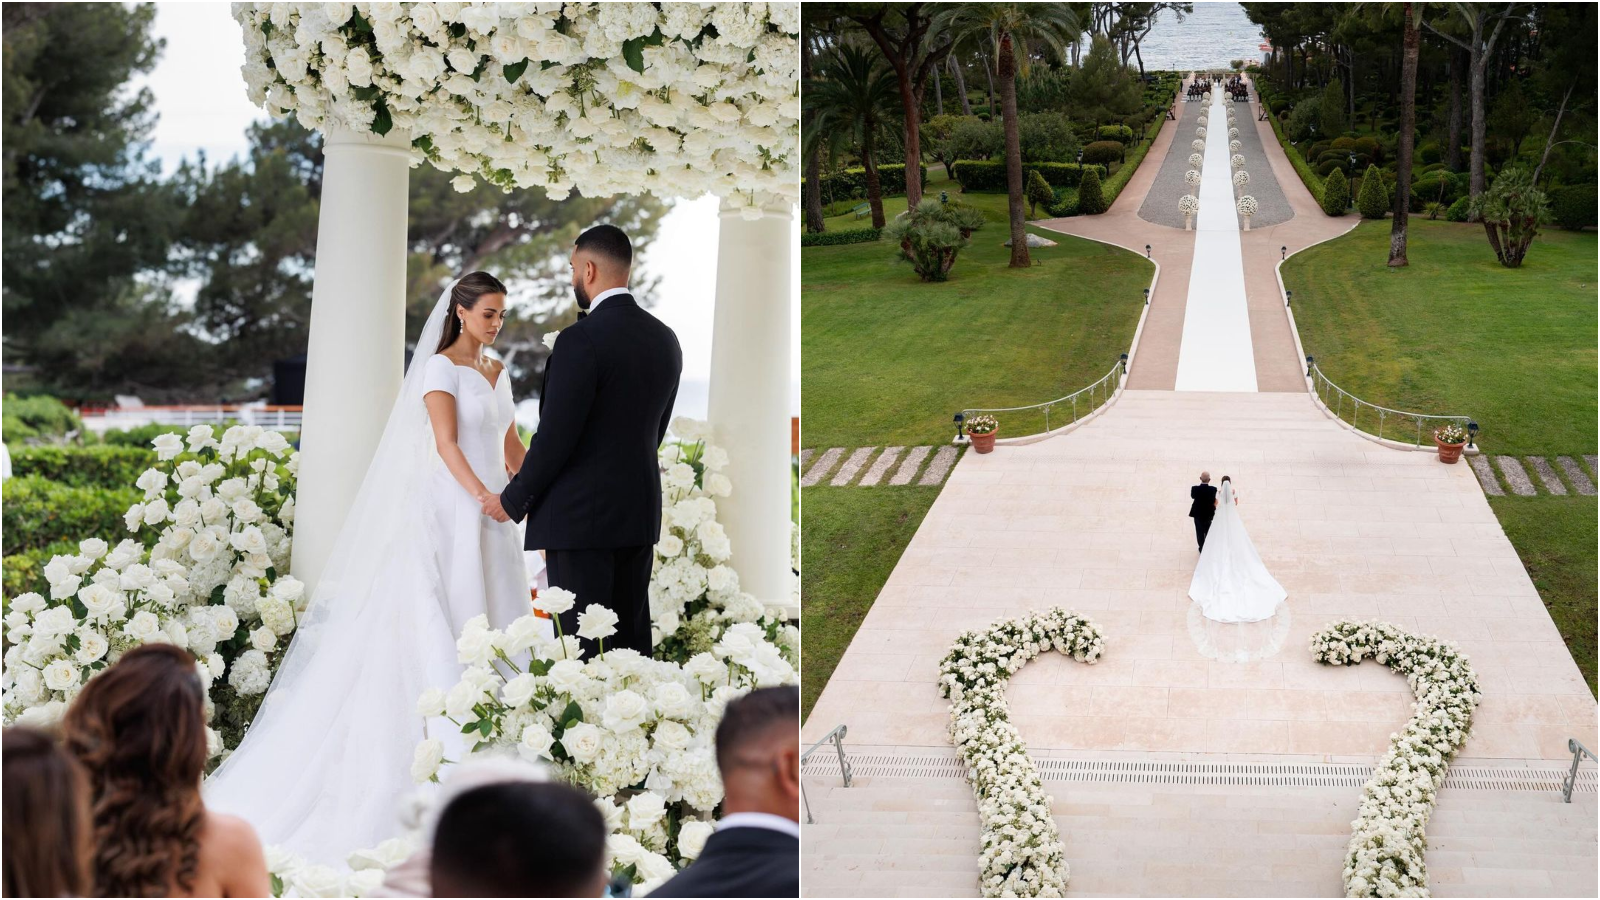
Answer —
1247 208
1451 438
982 429
1188 204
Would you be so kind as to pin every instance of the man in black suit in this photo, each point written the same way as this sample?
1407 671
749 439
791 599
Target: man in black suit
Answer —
755 851
590 484
1202 506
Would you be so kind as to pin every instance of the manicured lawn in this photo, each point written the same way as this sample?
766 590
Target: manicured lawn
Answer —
1456 333
888 359
851 538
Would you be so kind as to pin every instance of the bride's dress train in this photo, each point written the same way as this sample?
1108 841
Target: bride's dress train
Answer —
326 763
1230 582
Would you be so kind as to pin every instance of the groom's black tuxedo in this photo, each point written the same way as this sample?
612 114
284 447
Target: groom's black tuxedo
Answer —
1202 507
590 485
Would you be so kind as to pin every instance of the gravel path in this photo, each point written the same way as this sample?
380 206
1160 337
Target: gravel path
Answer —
1161 204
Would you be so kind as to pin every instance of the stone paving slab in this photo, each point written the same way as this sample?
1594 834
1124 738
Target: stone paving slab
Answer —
805 457
1486 477
852 465
908 469
881 466
1575 474
1547 475
1594 464
1516 477
822 466
940 467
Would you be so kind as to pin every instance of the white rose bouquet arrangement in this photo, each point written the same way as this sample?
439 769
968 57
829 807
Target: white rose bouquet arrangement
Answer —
206 570
1022 854
678 99
1388 839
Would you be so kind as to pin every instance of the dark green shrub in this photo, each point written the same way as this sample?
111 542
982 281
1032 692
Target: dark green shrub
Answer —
833 238
843 185
1102 152
1458 210
1046 137
1335 194
24 572
41 416
1373 200
1343 143
1317 149
100 466
1368 147
1298 125
1428 153
1436 186
1332 107
37 513
1039 191
930 236
1338 156
990 175
144 434
1324 169
1573 206
1120 133
1090 201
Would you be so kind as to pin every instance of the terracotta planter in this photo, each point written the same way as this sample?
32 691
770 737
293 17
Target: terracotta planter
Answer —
983 443
1449 453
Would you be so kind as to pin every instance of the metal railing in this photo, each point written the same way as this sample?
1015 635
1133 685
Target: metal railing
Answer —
281 418
1383 423
1078 404
1578 752
837 737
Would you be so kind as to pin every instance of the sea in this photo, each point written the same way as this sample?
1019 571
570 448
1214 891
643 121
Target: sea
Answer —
1208 38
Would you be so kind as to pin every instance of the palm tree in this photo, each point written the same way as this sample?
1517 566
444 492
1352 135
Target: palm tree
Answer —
854 94
1004 24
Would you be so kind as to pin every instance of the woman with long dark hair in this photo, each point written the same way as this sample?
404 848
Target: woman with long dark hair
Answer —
139 731
46 825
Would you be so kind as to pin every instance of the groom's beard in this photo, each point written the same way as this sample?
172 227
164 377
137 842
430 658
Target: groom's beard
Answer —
582 296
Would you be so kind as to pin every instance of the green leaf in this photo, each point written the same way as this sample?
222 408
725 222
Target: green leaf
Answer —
469 727
515 70
485 726
359 24
277 886
216 595
370 92
381 123
572 714
458 30
633 53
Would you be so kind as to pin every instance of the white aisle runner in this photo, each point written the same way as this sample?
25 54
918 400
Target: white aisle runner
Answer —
1216 353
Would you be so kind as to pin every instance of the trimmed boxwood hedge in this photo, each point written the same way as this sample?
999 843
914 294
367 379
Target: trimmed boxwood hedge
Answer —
103 466
1119 133
844 185
24 572
990 175
36 513
847 236
1105 152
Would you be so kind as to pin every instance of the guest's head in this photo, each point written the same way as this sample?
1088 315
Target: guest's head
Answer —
519 839
139 730
1205 477
46 820
758 751
602 258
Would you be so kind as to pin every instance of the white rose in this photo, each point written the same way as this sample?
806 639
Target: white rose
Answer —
200 437
386 855
204 547
583 742
550 339
93 548
43 716
425 762
463 183
143 627
554 601
718 485
263 639
461 698
431 703
669 546
475 647
567 676
54 622
692 838
225 620
645 810
597 622
706 667
62 675
102 603
519 690
91 646
670 735
672 700
250 540
152 482
168 446
318 881
624 710
523 633
536 742
244 509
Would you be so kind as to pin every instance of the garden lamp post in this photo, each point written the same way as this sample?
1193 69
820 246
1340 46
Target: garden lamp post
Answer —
1472 434
1146 251
1284 250
1288 298
1146 296
1310 361
961 436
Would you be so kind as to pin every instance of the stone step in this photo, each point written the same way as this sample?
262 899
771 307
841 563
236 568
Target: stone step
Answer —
1516 477
908 468
881 466
852 466
1486 476
1581 482
822 466
1547 475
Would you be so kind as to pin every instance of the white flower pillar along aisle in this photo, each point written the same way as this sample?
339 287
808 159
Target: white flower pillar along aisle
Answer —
675 99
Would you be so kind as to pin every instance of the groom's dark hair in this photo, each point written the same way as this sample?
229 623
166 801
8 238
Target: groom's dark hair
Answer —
607 241
519 839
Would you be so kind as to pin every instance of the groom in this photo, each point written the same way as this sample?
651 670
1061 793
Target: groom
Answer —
590 484
1202 506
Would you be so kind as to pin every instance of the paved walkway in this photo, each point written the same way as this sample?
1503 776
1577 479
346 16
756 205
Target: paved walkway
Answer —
1094 521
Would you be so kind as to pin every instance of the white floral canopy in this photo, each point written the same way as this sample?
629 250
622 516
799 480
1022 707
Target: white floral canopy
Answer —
674 99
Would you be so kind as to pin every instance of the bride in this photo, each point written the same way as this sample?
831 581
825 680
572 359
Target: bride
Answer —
1230 582
326 762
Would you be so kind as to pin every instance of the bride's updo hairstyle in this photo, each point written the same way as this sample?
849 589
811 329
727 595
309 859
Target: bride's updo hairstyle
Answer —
465 295
1226 479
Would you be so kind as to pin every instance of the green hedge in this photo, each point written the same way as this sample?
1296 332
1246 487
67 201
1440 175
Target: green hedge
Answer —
36 513
41 416
847 236
100 466
990 175
1104 152
1573 206
24 572
1301 168
1120 133
846 184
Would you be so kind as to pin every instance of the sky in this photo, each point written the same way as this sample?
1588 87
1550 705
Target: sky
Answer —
200 98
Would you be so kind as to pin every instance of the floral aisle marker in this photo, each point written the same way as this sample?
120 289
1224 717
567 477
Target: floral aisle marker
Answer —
1388 839
678 99
206 569
1022 854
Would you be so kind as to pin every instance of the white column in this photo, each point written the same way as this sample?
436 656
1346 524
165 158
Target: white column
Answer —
749 398
356 353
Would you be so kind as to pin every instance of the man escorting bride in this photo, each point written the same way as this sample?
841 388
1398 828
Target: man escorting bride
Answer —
1230 582
428 545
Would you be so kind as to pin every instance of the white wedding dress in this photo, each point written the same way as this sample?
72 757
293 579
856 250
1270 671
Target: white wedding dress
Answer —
1230 582
326 764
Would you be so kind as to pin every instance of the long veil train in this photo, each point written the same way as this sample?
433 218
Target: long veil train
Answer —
1230 582
325 764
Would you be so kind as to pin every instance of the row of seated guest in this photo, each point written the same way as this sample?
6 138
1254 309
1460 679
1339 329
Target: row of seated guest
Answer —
111 807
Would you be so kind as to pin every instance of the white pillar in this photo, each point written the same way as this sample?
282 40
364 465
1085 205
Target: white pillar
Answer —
749 398
356 353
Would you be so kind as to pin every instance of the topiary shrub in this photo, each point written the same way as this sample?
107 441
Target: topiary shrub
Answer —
1039 191
931 235
1428 153
1120 133
1102 152
1368 147
1090 200
835 238
1324 169
1573 206
1458 210
990 175
1335 193
1438 186
1343 143
1373 201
